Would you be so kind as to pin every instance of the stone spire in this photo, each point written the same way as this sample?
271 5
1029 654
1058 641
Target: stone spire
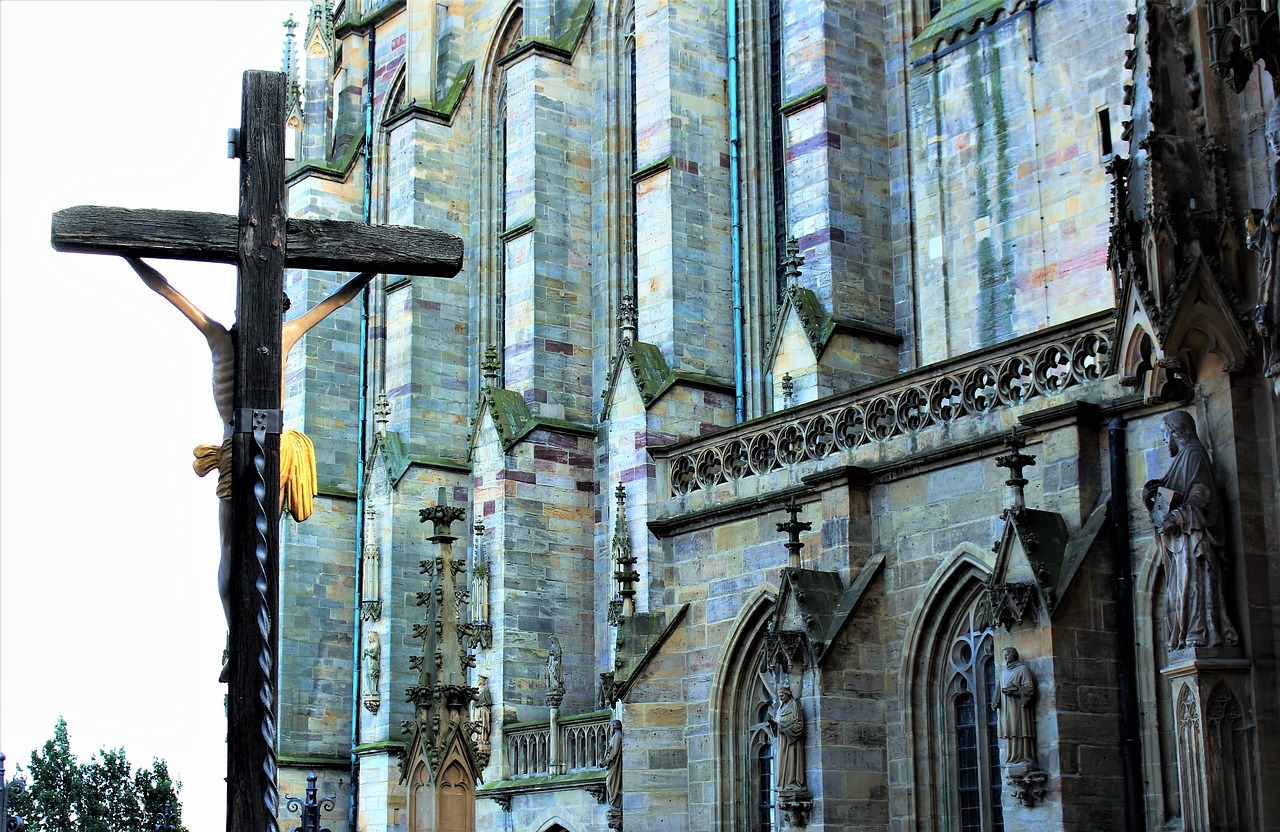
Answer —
288 62
320 19
624 560
442 696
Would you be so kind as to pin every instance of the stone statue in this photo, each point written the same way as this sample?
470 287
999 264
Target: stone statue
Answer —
613 766
371 589
1263 229
555 671
789 726
372 663
482 716
1187 519
1017 720
297 456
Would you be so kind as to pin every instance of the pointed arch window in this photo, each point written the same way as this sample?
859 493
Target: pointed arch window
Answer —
972 730
633 155
494 149
778 148
950 678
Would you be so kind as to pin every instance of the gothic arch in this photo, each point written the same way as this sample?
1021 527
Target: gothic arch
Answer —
556 824
1159 756
925 678
420 801
392 103
728 693
619 159
489 260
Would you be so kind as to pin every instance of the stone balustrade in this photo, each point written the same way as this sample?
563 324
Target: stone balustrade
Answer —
1038 366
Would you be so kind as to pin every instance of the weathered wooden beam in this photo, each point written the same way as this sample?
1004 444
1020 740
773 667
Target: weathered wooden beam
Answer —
252 797
309 244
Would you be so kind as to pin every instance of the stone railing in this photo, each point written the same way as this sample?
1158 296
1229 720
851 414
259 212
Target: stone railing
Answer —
581 747
1041 365
528 751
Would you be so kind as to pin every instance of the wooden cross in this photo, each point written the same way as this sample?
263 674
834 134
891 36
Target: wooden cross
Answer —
261 241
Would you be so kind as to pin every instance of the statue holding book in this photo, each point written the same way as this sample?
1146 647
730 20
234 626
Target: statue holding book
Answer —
1186 517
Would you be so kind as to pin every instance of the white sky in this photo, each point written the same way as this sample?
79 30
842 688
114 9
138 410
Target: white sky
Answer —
109 611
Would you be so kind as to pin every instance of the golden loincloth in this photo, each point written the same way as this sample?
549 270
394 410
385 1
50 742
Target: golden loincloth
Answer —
297 470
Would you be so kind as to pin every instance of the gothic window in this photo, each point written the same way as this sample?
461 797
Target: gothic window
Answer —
761 775
494 149
744 695
633 153
973 737
778 149
950 679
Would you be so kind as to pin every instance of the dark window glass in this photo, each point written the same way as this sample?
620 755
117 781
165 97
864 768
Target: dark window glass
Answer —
967 770
778 150
993 744
764 759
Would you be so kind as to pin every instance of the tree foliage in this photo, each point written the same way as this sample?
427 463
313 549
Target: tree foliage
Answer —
103 795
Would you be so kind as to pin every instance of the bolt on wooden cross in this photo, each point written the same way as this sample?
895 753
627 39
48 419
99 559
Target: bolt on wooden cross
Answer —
261 241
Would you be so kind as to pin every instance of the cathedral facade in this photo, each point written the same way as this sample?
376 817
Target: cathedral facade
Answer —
849 415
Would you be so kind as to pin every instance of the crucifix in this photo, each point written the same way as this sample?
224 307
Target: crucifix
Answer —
261 241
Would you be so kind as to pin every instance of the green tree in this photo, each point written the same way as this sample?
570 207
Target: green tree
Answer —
102 795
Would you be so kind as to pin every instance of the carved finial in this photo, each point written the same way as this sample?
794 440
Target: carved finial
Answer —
1015 461
381 413
287 65
442 518
624 560
627 320
793 527
788 390
490 366
791 266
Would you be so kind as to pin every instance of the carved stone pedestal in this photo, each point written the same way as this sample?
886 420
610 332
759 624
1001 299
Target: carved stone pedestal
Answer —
796 802
614 816
1215 738
1028 781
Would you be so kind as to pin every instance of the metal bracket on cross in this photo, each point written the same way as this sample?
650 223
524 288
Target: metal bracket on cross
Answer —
249 420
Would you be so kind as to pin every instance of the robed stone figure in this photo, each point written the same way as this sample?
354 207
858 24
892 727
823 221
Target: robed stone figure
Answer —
789 724
1186 518
1263 227
1017 719
613 766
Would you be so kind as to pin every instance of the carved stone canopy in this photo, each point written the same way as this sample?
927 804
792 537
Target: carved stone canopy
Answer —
815 605
1036 561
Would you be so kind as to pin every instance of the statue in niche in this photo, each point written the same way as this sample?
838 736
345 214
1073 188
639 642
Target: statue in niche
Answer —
482 716
1017 720
370 589
1263 229
789 727
480 580
372 663
1187 519
613 767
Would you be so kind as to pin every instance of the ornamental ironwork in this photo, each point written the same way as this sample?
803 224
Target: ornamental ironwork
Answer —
1037 371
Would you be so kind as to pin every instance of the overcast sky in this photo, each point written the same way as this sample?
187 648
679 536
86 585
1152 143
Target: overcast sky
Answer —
109 611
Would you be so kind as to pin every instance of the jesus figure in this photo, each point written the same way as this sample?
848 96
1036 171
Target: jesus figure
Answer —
297 456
